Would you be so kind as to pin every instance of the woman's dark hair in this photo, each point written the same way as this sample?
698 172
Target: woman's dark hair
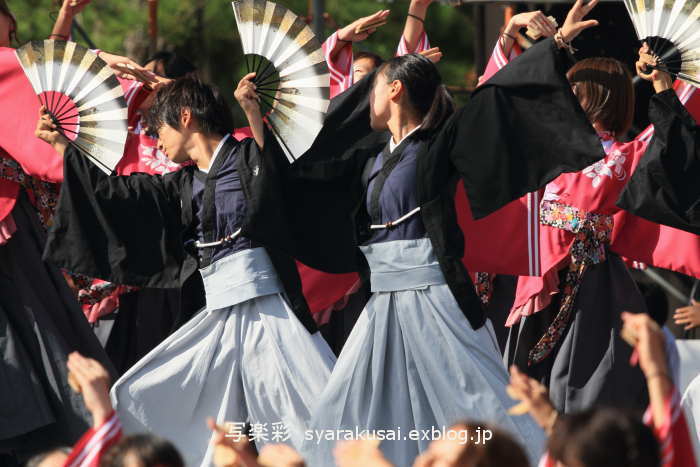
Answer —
174 66
206 104
604 437
149 450
500 450
604 89
426 94
376 59
5 10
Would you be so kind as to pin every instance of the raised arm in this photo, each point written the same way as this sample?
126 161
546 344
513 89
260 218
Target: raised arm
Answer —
62 28
250 103
124 229
338 49
664 187
524 126
414 37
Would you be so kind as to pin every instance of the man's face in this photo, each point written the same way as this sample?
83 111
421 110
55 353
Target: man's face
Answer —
172 143
362 67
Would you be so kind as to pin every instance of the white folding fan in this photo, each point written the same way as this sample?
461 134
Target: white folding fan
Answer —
82 95
292 80
672 30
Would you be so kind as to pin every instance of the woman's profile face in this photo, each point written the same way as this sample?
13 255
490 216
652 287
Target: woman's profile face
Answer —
379 100
6 29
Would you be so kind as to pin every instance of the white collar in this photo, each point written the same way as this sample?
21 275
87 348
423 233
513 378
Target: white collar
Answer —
393 145
216 153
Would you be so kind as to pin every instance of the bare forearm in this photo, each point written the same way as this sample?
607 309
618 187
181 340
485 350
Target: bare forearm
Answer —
414 28
62 27
659 385
255 121
507 39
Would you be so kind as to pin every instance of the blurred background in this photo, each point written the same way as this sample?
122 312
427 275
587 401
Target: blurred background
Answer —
204 32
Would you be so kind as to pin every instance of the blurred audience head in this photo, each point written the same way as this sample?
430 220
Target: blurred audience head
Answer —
54 458
364 64
169 65
474 444
603 437
142 451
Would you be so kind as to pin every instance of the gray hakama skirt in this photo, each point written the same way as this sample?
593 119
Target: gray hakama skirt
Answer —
413 362
244 358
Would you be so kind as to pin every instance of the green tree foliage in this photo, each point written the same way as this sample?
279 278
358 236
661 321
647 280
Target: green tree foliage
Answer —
205 31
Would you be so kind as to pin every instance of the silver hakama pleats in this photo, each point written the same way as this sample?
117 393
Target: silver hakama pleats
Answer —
413 362
244 358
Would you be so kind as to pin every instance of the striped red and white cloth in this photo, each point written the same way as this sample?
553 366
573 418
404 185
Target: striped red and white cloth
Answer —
674 439
88 451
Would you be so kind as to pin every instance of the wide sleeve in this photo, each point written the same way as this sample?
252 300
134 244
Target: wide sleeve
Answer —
21 107
674 439
520 130
498 60
124 229
339 65
664 187
422 45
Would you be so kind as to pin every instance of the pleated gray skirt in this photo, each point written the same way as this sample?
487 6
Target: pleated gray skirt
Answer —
413 362
245 358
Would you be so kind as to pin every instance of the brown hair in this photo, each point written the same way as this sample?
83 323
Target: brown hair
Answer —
5 10
500 450
603 437
604 89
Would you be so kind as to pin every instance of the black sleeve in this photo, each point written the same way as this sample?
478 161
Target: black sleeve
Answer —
665 187
122 229
520 130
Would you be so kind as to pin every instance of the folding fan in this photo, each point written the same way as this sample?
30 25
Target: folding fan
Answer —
82 95
292 79
671 28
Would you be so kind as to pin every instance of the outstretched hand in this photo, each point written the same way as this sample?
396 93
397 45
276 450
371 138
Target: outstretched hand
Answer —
532 19
434 54
126 68
92 380
356 32
574 23
533 399
73 7
230 449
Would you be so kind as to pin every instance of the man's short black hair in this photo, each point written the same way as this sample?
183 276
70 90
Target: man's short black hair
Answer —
206 104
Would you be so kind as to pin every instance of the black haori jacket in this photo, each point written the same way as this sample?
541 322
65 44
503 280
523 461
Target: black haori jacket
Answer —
132 230
518 132
665 186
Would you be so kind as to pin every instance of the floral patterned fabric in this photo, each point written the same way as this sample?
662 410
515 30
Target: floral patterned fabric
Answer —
483 283
592 235
43 195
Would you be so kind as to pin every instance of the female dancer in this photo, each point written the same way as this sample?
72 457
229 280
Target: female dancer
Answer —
565 325
40 319
413 362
